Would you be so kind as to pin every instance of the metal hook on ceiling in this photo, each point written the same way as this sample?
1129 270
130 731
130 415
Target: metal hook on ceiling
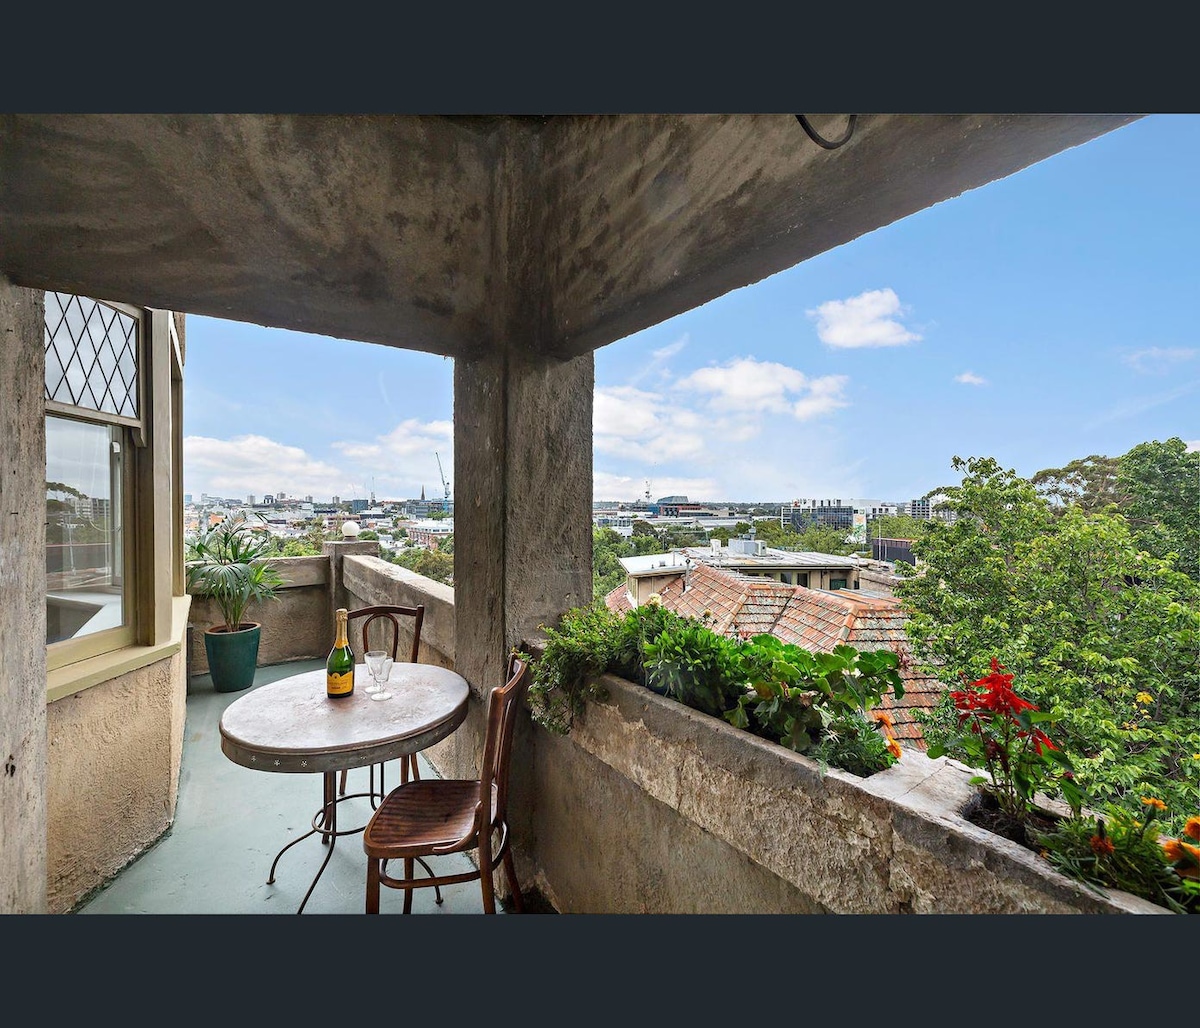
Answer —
827 144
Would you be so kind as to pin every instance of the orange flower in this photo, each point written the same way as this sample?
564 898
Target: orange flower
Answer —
1191 828
883 718
1102 846
1173 849
894 747
1157 804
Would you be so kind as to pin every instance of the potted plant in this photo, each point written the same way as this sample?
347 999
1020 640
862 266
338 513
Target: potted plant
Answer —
228 563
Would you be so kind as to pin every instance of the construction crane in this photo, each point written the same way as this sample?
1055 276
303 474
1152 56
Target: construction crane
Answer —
445 484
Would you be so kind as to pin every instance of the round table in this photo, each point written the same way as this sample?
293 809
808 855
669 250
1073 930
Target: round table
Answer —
291 726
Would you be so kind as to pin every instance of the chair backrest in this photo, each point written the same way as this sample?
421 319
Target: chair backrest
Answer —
390 614
503 703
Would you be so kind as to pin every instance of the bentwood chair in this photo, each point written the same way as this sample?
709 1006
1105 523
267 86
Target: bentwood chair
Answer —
437 816
389 617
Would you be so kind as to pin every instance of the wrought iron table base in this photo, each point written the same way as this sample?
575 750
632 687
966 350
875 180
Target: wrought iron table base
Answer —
325 822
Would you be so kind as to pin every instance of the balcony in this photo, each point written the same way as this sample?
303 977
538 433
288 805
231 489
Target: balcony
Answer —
646 807
516 247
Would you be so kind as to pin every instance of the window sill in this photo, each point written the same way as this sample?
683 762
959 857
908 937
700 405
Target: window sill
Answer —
83 674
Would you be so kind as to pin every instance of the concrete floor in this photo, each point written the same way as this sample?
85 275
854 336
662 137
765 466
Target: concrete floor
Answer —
231 821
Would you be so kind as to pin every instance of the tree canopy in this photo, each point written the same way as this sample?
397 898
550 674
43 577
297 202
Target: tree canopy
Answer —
1094 627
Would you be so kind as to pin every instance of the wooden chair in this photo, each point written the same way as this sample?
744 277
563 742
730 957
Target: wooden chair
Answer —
442 815
389 615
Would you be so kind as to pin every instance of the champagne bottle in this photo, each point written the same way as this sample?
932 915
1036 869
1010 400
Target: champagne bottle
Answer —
339 668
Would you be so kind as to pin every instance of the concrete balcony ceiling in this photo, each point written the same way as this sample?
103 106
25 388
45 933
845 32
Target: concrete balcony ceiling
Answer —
458 235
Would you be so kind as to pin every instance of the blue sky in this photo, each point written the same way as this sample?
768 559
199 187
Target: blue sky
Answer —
1045 317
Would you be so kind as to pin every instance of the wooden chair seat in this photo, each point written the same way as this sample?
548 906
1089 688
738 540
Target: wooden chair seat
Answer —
428 816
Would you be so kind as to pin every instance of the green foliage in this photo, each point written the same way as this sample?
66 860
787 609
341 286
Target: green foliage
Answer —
854 743
1162 481
816 539
1094 626
579 649
435 564
1121 851
818 701
813 703
1089 482
639 628
896 526
228 562
693 664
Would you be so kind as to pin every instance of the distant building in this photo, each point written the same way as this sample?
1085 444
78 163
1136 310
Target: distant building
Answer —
430 534
801 515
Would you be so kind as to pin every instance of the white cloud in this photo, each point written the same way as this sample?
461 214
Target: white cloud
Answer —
715 430
970 378
1193 445
870 319
1157 360
825 396
397 465
746 384
254 463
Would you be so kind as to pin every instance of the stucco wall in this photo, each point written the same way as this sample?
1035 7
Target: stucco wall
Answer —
112 775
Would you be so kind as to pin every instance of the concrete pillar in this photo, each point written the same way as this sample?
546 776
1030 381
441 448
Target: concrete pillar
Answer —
23 743
523 501
522 538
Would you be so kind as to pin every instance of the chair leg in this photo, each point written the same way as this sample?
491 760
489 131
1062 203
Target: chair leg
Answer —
510 872
342 785
487 887
409 769
372 886
408 876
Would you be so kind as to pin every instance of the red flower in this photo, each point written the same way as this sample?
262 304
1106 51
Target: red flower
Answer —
1102 846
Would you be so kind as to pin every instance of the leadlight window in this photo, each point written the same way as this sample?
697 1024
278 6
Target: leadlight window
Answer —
93 405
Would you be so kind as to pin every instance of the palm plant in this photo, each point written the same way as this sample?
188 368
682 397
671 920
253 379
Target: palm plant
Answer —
228 563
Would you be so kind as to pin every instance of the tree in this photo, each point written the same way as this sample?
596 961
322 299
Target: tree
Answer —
607 549
1090 482
1162 483
1094 628
774 534
819 539
896 526
430 563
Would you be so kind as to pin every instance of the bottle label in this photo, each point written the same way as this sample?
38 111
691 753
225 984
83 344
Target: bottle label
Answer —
339 685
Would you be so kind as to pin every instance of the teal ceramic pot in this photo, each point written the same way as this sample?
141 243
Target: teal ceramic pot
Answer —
232 656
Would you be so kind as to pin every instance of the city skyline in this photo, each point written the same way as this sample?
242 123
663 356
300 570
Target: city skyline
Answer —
1038 319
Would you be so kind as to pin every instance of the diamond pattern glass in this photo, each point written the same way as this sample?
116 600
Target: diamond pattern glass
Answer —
91 355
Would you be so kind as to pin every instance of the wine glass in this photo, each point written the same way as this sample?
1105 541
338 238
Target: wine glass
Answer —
375 659
385 670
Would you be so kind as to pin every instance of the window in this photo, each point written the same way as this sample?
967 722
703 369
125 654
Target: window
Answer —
85 521
93 399
837 583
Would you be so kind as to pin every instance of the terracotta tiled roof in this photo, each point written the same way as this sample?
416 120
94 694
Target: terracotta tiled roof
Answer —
745 605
